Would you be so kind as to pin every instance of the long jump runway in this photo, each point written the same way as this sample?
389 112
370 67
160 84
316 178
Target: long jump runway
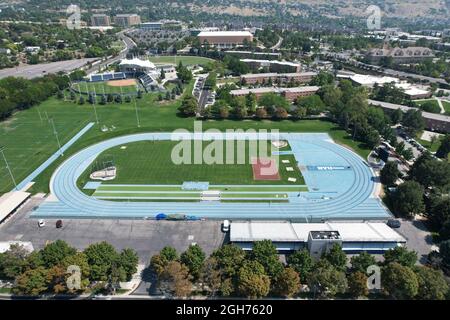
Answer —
340 182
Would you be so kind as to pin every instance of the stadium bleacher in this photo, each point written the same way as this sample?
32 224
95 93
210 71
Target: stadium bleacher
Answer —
107 76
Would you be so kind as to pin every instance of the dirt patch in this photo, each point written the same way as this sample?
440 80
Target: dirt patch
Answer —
265 169
122 83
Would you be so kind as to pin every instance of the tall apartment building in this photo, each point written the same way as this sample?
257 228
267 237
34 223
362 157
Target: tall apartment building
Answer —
100 20
127 20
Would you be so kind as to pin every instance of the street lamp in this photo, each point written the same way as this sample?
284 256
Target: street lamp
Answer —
137 114
2 148
56 135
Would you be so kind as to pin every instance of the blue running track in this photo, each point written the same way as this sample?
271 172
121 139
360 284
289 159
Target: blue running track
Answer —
334 194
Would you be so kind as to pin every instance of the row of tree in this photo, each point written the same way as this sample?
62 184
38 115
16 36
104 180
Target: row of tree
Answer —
233 272
50 270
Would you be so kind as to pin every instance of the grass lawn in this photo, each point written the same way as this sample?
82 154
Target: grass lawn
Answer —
29 141
150 162
446 106
432 101
186 60
103 87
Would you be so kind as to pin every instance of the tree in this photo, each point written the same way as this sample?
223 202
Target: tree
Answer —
101 256
13 261
281 113
224 112
229 259
361 262
432 284
397 116
193 258
175 280
188 106
302 262
444 252
389 174
399 281
401 255
265 253
211 276
326 280
430 172
444 149
169 253
298 113
261 113
81 100
336 257
56 252
287 283
408 199
158 264
32 282
128 260
252 280
80 260
413 121
357 284
313 104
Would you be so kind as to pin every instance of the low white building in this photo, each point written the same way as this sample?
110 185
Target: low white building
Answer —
136 65
373 237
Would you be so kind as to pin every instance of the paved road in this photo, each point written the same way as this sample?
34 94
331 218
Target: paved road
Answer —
145 236
278 44
418 238
39 70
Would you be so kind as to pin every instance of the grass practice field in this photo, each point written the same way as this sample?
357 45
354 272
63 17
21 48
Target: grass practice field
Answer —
186 60
105 87
150 162
29 141
446 107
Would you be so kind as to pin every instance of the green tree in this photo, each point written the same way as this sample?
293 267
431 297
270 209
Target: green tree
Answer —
336 257
13 261
128 260
210 276
188 106
432 284
32 282
193 258
265 253
389 174
400 255
399 282
302 262
252 280
101 256
444 252
413 121
357 284
444 149
313 104
229 259
430 172
55 252
169 253
327 280
408 199
361 262
287 283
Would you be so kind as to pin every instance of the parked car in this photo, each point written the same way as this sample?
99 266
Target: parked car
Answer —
226 226
393 223
59 224
41 223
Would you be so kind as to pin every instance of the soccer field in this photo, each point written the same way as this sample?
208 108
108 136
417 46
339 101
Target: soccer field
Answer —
150 162
106 87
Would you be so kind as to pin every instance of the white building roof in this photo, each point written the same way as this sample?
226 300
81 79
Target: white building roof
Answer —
10 201
225 34
264 61
5 245
137 62
411 90
368 80
299 232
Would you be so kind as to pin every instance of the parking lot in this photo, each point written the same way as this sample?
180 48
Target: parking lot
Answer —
147 237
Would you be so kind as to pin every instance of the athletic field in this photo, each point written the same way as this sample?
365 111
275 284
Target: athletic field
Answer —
126 86
186 60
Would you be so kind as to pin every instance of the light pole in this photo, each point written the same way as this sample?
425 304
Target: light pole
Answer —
56 135
94 101
2 148
137 114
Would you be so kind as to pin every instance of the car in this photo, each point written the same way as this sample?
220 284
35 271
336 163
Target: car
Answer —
393 223
226 225
59 224
41 223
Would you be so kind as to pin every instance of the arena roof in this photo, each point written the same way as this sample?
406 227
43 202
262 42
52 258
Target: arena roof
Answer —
298 232
367 80
137 62
225 34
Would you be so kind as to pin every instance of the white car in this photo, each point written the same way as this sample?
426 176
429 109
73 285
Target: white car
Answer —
226 226
41 223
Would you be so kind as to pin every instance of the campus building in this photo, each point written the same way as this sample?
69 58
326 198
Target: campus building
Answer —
317 238
273 65
127 20
225 39
259 78
400 55
254 55
291 94
100 20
